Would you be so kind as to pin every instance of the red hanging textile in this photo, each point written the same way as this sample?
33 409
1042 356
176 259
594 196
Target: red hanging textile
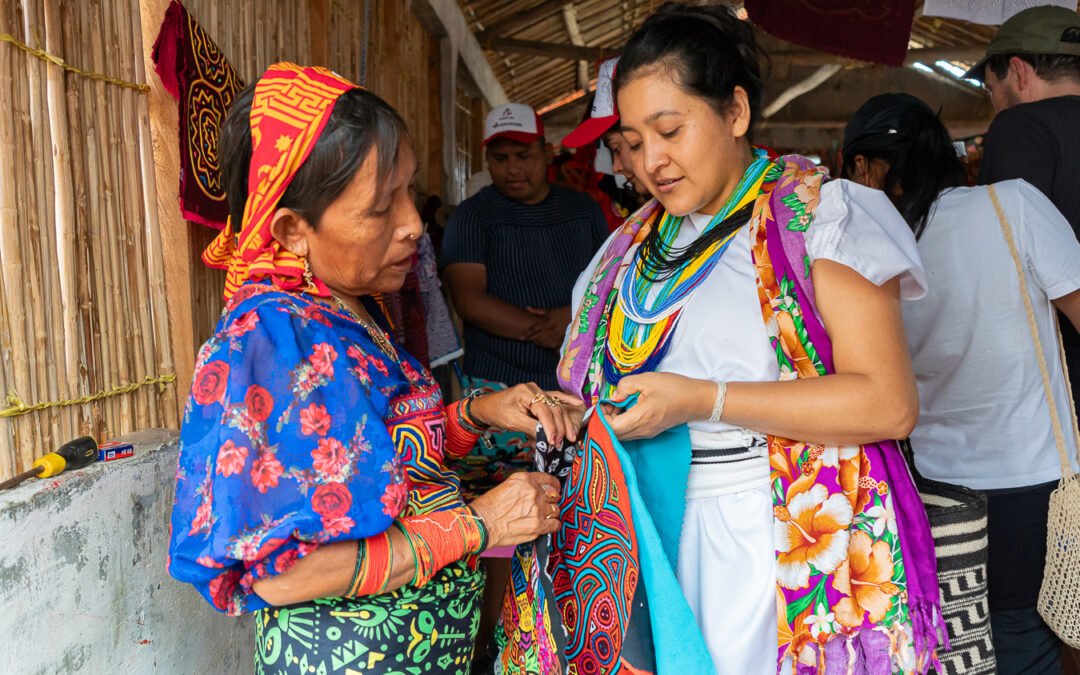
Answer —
868 30
198 75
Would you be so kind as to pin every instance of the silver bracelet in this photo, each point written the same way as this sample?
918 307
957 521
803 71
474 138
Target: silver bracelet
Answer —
718 405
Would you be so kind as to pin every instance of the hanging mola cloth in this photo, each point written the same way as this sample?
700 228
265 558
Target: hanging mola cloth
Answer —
198 75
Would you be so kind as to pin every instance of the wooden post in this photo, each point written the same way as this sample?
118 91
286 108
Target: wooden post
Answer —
818 78
67 264
476 150
452 180
175 251
434 118
569 13
319 17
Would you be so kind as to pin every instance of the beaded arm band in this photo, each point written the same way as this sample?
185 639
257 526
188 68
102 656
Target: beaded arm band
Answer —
465 416
374 561
435 539
440 538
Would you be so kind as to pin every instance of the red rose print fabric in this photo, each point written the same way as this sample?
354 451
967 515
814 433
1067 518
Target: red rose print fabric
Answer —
299 431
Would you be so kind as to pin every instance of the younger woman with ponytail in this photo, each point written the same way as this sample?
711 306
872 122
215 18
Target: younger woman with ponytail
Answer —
752 309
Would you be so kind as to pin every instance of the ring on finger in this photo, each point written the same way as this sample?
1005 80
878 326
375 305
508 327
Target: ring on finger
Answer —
539 398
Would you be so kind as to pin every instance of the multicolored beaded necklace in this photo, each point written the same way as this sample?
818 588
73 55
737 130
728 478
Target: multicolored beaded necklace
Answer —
643 318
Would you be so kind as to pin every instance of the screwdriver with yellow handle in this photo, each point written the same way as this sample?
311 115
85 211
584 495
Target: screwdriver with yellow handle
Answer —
71 455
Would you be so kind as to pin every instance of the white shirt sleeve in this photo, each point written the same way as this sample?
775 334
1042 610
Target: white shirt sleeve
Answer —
1051 251
859 228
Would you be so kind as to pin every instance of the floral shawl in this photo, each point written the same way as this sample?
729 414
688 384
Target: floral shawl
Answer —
298 432
856 572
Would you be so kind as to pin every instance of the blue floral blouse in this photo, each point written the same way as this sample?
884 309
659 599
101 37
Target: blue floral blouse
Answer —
299 431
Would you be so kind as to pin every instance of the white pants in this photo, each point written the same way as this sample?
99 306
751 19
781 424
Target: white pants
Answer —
727 571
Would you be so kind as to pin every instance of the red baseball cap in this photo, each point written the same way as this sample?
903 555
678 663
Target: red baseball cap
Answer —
603 114
513 121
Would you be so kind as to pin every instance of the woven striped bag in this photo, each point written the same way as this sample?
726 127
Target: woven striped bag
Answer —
958 524
1059 597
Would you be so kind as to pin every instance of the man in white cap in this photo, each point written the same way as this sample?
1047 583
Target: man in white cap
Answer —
512 253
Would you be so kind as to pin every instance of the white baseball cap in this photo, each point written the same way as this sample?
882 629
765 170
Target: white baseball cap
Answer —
514 121
603 114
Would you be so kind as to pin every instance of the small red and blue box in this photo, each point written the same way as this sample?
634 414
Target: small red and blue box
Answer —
107 452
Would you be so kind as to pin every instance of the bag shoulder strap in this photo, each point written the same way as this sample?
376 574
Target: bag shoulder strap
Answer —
1040 355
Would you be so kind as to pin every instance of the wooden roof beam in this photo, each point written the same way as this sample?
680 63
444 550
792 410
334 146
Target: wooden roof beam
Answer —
518 20
552 50
926 55
571 52
444 19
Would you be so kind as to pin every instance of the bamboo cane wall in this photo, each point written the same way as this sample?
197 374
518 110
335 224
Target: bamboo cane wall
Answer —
402 67
252 37
81 293
82 296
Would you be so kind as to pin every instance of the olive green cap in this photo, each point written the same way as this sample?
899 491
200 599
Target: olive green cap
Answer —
1038 30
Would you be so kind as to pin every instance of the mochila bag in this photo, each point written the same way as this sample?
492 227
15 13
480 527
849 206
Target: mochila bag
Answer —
958 525
1059 597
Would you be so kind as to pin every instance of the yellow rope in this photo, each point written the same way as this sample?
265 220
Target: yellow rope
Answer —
16 406
56 60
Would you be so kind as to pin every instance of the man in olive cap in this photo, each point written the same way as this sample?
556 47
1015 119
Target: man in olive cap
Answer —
1032 70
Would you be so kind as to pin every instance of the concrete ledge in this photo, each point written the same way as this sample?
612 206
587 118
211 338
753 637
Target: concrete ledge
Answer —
83 584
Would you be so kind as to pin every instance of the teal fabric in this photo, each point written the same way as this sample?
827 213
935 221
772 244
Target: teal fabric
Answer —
656 472
663 467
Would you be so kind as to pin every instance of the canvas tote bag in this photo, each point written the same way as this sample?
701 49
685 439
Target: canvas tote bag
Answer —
1059 597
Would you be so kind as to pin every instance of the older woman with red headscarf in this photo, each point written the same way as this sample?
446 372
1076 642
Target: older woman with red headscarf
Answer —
312 485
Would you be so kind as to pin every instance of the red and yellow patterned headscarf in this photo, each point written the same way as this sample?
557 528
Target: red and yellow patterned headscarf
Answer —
288 114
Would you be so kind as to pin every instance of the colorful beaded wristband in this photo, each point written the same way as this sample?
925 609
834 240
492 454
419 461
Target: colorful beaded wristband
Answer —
481 528
358 568
465 418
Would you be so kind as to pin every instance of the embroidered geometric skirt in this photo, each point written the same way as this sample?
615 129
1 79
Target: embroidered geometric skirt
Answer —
411 630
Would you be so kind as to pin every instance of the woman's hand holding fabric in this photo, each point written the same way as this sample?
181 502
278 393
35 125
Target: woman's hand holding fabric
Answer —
520 509
664 400
520 407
